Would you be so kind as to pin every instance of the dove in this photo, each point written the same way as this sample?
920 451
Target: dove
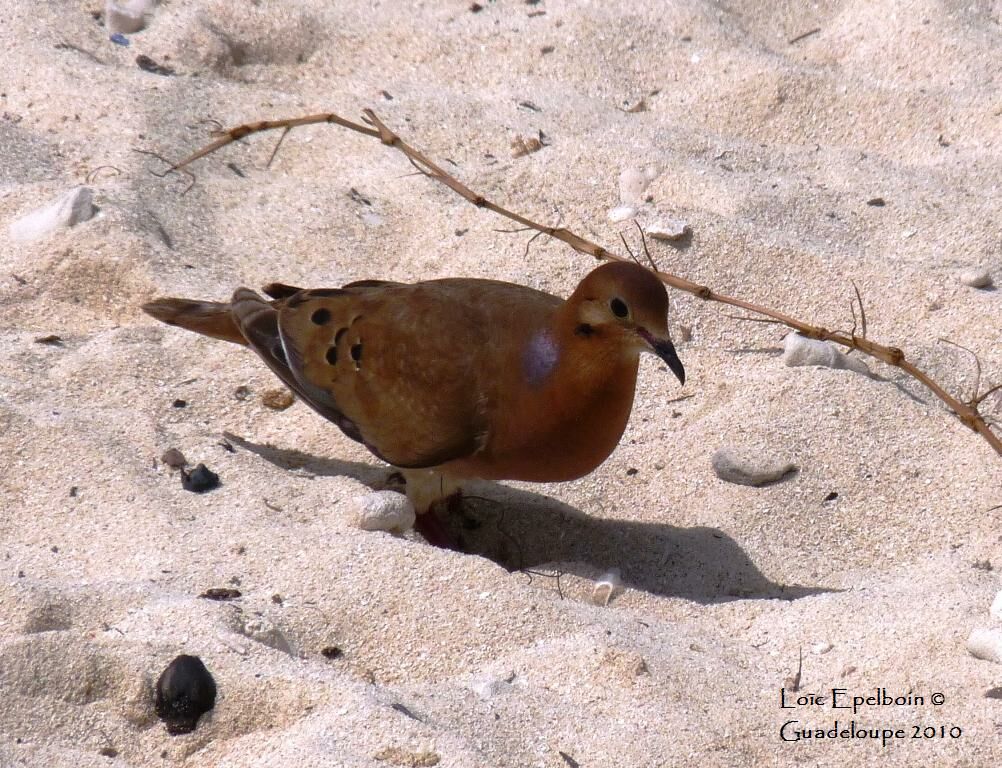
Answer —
458 378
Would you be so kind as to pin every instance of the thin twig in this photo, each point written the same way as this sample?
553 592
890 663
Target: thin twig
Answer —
862 311
806 34
967 413
977 367
629 250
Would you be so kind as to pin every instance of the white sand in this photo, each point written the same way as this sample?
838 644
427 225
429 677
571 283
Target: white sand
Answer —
768 150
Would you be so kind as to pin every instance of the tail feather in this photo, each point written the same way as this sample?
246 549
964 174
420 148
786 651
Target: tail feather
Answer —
210 318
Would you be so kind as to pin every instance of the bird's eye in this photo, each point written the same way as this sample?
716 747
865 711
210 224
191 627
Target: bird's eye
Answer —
619 308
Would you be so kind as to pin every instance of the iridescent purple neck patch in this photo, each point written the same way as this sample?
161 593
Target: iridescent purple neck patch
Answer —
540 358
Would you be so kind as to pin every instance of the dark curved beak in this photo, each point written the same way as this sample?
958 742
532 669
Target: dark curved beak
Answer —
664 349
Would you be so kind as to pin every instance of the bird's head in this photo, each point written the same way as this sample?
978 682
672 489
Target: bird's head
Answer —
627 303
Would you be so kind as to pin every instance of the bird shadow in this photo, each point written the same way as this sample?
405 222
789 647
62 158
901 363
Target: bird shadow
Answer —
521 530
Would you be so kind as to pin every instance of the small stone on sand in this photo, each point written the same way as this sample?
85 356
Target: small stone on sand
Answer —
669 229
976 278
67 210
277 399
749 468
199 480
986 644
126 17
174 459
184 692
383 511
622 213
800 350
996 609
633 182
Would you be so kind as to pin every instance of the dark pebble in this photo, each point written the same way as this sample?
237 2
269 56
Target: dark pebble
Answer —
109 752
179 403
831 496
185 692
147 64
876 202
51 340
221 593
993 693
199 480
331 652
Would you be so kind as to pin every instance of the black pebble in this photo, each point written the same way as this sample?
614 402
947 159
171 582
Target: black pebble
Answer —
199 480
185 692
331 652
831 496
179 403
221 593
876 202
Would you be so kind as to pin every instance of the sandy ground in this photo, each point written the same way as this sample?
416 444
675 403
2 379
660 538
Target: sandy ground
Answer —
769 149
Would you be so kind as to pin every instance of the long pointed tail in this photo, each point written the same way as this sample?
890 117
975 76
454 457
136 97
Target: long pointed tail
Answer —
210 318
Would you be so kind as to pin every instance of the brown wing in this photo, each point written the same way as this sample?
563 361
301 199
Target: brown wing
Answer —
398 361
257 321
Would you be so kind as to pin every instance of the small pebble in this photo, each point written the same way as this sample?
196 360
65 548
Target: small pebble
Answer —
383 511
800 350
331 652
52 340
749 468
174 459
184 692
633 182
521 147
976 278
821 648
986 644
67 210
876 202
277 399
669 229
199 480
221 593
147 64
119 39
622 213
996 609
605 586
126 16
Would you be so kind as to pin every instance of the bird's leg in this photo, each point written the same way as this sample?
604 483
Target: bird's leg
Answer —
434 529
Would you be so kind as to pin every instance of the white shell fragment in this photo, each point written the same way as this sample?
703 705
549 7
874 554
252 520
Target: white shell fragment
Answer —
996 609
800 350
127 16
986 644
669 229
622 213
65 211
749 468
606 586
975 278
383 511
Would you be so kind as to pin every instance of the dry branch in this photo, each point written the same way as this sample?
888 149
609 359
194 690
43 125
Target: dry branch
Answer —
968 412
